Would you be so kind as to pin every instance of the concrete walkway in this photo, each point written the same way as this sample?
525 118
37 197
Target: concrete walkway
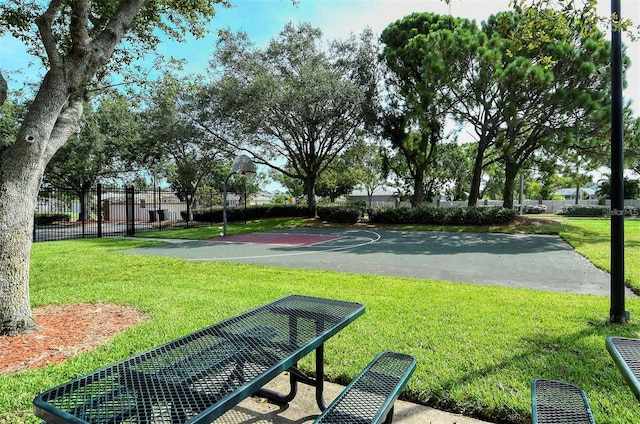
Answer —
303 409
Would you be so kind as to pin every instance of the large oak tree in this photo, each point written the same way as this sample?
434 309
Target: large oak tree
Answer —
294 105
79 42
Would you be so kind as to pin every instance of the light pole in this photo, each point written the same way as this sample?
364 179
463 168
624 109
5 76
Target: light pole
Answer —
241 165
617 312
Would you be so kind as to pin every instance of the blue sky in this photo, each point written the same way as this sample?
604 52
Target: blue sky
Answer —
263 20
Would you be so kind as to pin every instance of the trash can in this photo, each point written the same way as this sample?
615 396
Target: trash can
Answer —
163 214
152 216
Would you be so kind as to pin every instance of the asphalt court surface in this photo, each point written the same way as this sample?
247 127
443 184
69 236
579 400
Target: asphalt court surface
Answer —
541 262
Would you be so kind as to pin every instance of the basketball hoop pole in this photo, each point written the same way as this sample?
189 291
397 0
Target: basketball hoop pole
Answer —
242 165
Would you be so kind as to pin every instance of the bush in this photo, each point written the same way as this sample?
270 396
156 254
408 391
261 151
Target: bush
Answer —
584 211
237 213
348 214
532 209
442 216
50 218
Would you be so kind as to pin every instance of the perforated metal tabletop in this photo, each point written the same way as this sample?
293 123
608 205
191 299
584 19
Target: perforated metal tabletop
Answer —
200 376
626 355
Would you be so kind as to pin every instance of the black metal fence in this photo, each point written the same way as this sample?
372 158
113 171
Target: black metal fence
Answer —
114 211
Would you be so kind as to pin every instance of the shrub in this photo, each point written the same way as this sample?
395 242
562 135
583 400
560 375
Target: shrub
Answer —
50 218
442 216
348 214
584 211
532 209
237 213
595 211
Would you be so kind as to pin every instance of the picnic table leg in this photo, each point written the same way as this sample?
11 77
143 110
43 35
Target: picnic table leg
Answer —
319 383
296 376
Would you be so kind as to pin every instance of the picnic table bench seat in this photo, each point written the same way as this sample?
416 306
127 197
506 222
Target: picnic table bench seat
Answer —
557 402
369 398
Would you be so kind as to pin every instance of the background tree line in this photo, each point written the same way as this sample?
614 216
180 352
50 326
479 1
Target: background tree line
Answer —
438 106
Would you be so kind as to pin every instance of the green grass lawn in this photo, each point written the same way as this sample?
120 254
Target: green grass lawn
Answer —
478 347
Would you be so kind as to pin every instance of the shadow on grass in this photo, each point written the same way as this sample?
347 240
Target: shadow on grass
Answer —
580 358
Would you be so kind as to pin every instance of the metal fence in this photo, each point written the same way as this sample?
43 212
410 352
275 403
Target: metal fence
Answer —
115 211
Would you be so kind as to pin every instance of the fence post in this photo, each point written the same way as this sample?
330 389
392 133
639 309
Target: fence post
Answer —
85 210
99 195
158 208
129 206
188 207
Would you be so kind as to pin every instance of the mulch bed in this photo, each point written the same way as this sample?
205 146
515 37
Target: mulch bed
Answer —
65 331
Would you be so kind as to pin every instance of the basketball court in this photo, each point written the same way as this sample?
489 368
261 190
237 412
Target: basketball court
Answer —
525 261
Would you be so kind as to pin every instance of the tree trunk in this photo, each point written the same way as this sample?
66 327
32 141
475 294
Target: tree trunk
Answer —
21 168
310 190
510 172
15 249
19 184
476 179
418 190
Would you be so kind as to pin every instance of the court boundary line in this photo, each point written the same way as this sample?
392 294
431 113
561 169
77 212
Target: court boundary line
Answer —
279 255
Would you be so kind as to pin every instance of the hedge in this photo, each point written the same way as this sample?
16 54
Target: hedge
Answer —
348 214
50 218
594 211
533 209
442 216
237 213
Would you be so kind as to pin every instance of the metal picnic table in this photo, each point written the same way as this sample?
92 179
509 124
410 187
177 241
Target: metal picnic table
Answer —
626 355
198 377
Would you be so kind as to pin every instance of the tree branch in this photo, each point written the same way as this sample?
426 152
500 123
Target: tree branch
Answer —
45 24
105 42
68 123
79 25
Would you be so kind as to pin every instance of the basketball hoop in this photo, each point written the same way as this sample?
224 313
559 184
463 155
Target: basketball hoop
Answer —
241 165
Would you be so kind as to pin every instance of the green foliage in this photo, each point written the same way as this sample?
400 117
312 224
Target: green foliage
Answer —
595 211
50 218
586 211
442 216
348 214
534 209
155 19
10 117
109 132
280 199
295 99
631 188
342 176
237 213
427 56
172 143
555 76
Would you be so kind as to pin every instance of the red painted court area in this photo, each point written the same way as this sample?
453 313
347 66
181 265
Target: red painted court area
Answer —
281 239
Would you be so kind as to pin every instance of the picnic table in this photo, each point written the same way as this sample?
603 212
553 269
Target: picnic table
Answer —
626 355
198 377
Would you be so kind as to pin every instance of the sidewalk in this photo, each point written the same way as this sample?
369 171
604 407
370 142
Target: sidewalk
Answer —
303 409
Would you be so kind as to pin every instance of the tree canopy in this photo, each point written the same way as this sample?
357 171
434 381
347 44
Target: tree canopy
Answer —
426 56
294 105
